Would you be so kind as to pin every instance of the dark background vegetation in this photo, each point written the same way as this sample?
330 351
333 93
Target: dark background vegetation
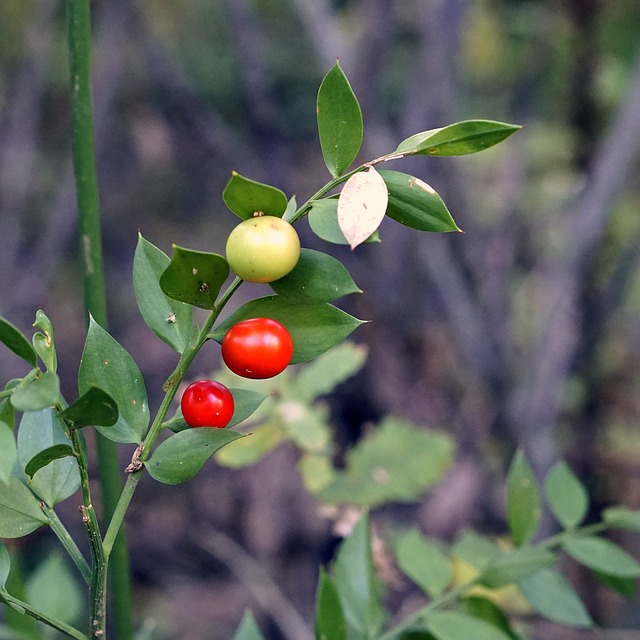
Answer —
523 331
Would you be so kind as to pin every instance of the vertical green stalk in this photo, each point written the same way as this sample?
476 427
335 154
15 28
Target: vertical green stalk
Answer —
79 32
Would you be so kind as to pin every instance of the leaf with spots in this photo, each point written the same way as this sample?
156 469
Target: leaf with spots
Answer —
106 365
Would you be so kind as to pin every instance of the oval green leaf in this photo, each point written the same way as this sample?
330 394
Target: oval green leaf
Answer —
317 277
249 450
602 555
314 328
553 597
39 431
5 565
488 611
37 393
415 204
95 407
15 340
330 622
183 454
169 319
194 277
107 366
622 518
43 341
523 500
20 512
567 497
339 121
46 457
8 451
453 625
245 197
508 568
461 138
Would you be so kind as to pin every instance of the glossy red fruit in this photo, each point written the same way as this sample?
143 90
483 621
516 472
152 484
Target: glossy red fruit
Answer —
257 348
207 403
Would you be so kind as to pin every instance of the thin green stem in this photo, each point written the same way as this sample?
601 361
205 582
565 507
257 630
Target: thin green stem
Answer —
68 543
79 42
18 604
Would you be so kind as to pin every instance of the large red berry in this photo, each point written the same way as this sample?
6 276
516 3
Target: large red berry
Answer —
207 403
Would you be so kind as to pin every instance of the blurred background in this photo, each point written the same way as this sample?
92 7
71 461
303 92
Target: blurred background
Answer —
522 332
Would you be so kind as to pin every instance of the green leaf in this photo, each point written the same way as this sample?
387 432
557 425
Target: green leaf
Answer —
316 278
510 567
107 366
550 595
475 549
37 393
354 578
601 555
323 220
326 372
39 431
622 518
46 457
169 319
5 565
182 455
330 623
488 611
51 588
15 340
362 205
397 462
453 625
424 563
415 204
314 328
247 451
461 138
20 512
624 586
245 197
566 495
523 500
339 121
8 451
43 341
248 629
194 277
95 407
291 210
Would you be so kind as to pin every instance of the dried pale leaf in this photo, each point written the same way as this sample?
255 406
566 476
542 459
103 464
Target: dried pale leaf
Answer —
362 205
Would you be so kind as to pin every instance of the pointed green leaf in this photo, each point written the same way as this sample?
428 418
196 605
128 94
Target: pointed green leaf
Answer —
20 511
355 580
323 220
37 393
8 452
38 431
194 277
169 319
601 555
415 204
314 328
43 341
622 518
424 562
290 211
624 586
339 121
317 277
5 565
362 205
183 454
550 595
15 340
475 549
488 611
107 366
469 136
248 629
566 495
523 500
508 568
93 408
247 451
330 623
245 197
46 457
453 625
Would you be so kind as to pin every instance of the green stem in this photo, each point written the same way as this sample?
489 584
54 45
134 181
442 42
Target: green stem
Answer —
68 543
79 42
170 387
20 605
